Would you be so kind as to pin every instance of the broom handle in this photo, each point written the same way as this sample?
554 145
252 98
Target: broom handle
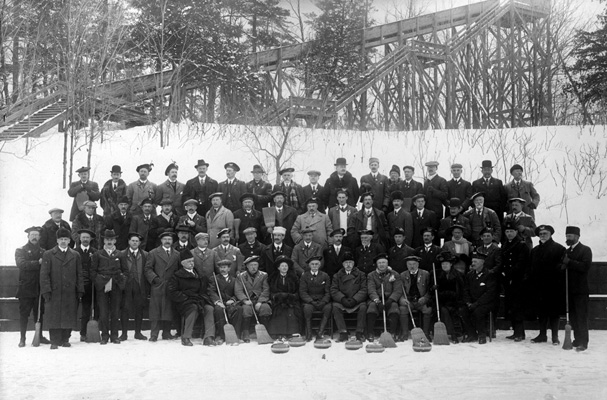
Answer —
436 292
92 301
220 298
249 297
567 293
408 306
40 306
384 306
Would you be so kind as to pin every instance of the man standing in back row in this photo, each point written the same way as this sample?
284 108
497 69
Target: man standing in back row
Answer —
495 194
200 188
435 189
379 185
82 190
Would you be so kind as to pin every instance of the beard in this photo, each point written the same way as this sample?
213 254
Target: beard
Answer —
569 242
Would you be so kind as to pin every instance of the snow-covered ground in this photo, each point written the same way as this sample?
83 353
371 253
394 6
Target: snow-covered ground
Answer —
167 370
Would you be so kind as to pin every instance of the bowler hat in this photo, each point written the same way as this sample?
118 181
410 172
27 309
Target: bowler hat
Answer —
109 234
201 163
91 233
318 258
486 164
258 169
341 161
183 228
116 169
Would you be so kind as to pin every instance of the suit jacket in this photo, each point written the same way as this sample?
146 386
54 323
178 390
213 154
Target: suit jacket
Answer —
427 220
526 191
527 222
109 196
216 221
200 225
136 276
48 236
257 287
286 220
449 221
194 190
487 219
402 219
166 191
493 262
462 189
495 194
397 257
300 207
90 188
205 262
479 289
86 260
247 250
253 219
580 260
423 285
392 290
379 187
226 288
410 189
231 195
428 258
182 247
364 257
333 214
436 193
380 224
334 183
233 254
308 193
137 192
320 223
266 261
315 288
106 266
160 224
263 191
121 225
301 254
97 225
142 226
332 260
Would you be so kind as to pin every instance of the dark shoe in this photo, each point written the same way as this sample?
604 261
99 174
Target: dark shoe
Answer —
123 337
519 339
320 336
454 339
482 340
82 338
371 338
219 341
360 336
54 347
581 348
168 336
493 335
44 340
116 341
22 342
66 344
575 343
139 336
245 336
208 342
470 339
186 342
555 341
343 337
539 339
511 337
103 341
247 340
154 338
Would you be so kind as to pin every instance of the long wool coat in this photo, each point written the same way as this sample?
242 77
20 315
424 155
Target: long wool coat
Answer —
159 265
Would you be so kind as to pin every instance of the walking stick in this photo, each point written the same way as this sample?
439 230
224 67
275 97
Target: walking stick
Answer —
263 337
228 329
440 330
567 344
38 326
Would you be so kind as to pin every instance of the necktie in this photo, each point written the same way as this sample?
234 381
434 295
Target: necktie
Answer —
115 186
480 213
343 209
86 252
280 211
486 181
337 250
420 213
168 253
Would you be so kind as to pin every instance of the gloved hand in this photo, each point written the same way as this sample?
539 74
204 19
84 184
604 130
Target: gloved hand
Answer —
47 297
345 302
351 302
380 306
532 206
320 304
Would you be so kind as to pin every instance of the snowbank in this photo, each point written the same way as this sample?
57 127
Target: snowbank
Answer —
566 164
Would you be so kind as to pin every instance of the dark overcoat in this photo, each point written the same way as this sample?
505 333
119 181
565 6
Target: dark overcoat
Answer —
495 194
397 256
334 183
160 265
48 236
109 196
90 188
186 289
194 190
121 225
130 264
547 278
315 288
461 189
353 285
231 194
436 193
108 266
332 260
28 261
379 187
263 191
580 260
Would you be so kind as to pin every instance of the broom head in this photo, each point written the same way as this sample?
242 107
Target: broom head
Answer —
386 340
420 341
567 344
230 335
263 337
440 334
37 335
92 332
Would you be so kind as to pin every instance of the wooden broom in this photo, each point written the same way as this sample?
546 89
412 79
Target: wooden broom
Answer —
440 330
420 341
92 327
385 339
263 337
38 326
229 332
567 344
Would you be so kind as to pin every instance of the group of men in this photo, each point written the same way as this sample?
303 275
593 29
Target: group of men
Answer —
211 240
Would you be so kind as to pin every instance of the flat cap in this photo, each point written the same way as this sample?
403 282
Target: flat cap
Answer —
373 159
431 164
216 194
33 229
412 258
201 235
251 259
83 169
338 231
457 165
250 229
279 229
314 172
289 169
477 194
317 258
190 202
418 196
89 203
522 201
223 232
55 209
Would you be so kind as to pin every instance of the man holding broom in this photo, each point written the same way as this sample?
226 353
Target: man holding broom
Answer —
253 290
28 259
225 303
385 290
416 283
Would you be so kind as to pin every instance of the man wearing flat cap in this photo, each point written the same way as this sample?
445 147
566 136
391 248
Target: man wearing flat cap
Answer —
232 188
90 220
495 194
279 215
349 295
409 186
519 188
455 217
196 222
86 252
48 236
200 188
314 190
547 278
400 218
257 295
82 190
372 219
260 188
136 289
383 280
524 223
435 189
162 262
482 217
422 218
167 219
227 251
315 295
142 189
252 246
142 223
333 255
400 251
577 261
218 218
394 182
120 222
313 220
247 217
28 259
379 185
62 287
367 251
172 189
205 258
459 187
342 216
416 296
480 287
112 191
223 297
294 196
109 276
274 250
341 178
305 250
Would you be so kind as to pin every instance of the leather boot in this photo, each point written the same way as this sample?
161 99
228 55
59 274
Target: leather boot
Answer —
246 322
427 319
321 329
371 317
308 330
392 324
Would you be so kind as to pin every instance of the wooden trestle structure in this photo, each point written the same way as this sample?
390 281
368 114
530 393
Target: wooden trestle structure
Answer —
483 65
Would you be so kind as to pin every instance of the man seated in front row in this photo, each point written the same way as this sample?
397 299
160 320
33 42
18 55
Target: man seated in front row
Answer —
349 295
314 292
416 283
253 290
385 289
479 297
224 299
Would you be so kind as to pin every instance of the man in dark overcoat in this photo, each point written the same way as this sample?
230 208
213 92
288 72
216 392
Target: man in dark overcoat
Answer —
62 287
48 236
399 252
86 252
200 188
524 223
284 216
120 222
495 194
252 246
260 188
409 186
435 189
479 298
248 216
196 222
294 196
340 179
82 190
315 295
166 220
274 250
367 251
314 190
372 219
112 191
232 188
515 265
399 218
28 259
422 218
428 251
459 187
455 217
136 289
333 256
90 220
142 223
349 295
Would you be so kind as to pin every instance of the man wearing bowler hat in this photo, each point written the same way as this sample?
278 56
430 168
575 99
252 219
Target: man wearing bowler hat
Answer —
455 217
435 189
48 236
196 222
378 184
136 290
294 196
86 252
518 188
577 261
142 189
314 220
340 179
422 218
260 188
112 191
120 222
247 217
200 188
82 190
495 194
89 219
172 189
232 188
183 242
399 218
314 190
459 187
524 223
